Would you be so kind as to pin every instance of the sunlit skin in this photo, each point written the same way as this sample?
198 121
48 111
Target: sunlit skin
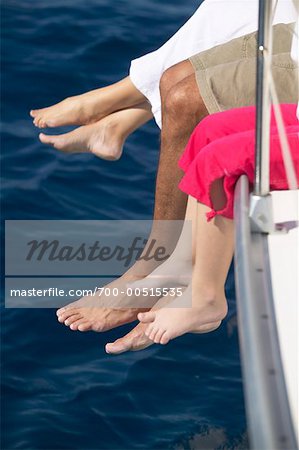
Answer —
182 109
203 303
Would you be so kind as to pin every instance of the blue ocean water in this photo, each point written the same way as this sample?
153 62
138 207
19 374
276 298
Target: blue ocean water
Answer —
59 388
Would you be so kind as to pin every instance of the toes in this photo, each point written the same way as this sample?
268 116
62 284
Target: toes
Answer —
56 141
75 325
64 142
158 336
46 139
149 330
129 342
61 318
34 112
165 338
51 123
66 314
84 326
72 319
117 347
39 122
153 334
62 310
147 317
66 308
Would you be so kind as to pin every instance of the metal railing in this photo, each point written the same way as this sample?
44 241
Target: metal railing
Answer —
263 99
265 95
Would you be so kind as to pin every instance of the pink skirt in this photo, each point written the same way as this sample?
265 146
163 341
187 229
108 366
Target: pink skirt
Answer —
222 147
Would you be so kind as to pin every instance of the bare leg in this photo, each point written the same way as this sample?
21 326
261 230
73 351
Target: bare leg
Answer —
182 109
214 252
209 317
180 103
170 202
104 138
177 270
89 107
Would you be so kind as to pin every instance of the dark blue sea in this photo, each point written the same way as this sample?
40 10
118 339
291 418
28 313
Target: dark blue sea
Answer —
60 390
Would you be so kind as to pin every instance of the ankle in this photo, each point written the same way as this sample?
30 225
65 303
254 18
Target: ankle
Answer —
211 296
114 127
180 259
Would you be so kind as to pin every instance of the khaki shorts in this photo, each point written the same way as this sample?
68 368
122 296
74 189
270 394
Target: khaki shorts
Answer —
226 74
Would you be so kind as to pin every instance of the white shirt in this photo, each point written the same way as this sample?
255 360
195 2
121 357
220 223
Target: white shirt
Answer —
214 22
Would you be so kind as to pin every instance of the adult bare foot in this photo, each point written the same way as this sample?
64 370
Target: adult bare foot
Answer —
109 309
168 321
104 138
105 311
134 341
97 318
89 107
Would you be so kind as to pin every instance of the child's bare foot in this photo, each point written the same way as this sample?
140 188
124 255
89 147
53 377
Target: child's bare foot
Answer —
172 320
89 107
104 138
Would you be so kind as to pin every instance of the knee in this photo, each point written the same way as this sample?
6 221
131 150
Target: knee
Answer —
167 80
174 75
177 102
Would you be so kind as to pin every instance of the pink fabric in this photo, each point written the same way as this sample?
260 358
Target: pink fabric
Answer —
222 147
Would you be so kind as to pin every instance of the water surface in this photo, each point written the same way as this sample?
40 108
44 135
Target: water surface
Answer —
60 390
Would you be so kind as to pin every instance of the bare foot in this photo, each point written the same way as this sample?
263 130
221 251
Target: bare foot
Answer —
78 110
172 320
84 318
89 107
134 341
104 138
137 338
104 312
100 138
81 316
